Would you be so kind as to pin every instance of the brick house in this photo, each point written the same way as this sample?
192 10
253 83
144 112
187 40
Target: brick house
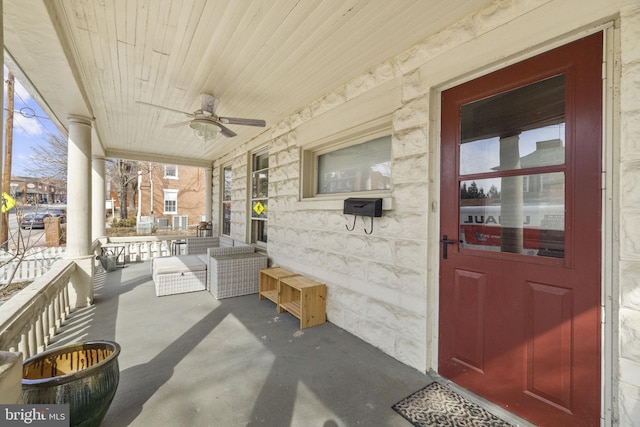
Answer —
168 191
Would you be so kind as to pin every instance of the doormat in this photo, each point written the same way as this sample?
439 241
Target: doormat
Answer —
437 405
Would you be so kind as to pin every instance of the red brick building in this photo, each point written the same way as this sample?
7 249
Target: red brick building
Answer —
172 191
29 190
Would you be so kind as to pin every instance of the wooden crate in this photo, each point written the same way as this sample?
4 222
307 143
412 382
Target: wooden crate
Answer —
270 283
304 298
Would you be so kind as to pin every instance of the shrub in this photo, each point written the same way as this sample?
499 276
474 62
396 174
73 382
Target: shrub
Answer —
128 222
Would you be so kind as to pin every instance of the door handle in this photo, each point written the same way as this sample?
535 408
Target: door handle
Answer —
445 244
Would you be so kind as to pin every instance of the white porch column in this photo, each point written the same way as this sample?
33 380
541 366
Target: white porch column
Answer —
511 213
79 211
208 190
139 210
98 199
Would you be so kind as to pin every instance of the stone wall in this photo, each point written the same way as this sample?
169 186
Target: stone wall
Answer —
383 287
629 318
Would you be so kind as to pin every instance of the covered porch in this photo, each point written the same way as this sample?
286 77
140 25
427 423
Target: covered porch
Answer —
325 76
233 362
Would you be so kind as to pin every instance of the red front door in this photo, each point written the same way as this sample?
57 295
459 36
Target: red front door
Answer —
520 221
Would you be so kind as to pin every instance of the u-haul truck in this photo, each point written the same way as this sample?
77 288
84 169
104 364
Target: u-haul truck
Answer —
542 229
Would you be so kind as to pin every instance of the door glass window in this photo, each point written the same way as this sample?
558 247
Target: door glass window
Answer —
512 171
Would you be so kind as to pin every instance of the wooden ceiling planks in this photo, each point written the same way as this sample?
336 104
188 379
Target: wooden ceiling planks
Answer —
263 59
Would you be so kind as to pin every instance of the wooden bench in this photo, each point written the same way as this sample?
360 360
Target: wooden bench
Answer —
302 297
270 283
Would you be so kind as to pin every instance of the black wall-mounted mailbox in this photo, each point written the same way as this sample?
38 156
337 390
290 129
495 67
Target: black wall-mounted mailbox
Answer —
363 207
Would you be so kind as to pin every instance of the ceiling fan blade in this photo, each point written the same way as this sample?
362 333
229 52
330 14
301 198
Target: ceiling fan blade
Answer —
245 122
164 108
177 125
226 131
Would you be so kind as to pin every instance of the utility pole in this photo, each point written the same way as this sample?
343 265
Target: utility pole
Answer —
8 148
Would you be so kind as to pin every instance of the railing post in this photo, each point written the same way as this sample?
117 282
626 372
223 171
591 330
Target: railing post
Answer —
51 313
56 311
65 301
63 312
33 345
23 345
31 268
136 252
40 344
45 325
81 282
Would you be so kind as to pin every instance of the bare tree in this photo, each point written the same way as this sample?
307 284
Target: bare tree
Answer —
124 175
49 160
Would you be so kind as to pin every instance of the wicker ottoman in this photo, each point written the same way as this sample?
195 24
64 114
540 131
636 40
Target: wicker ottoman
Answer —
236 274
179 274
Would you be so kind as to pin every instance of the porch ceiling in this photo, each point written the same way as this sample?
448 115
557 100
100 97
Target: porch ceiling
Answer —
262 59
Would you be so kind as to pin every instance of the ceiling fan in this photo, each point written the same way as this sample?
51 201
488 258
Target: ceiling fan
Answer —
205 123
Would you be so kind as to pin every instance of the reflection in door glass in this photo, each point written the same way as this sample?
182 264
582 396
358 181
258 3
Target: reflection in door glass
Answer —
513 144
532 225
539 147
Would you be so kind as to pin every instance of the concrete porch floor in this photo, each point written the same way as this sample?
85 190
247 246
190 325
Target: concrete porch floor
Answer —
191 360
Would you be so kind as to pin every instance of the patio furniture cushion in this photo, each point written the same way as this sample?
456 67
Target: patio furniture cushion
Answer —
229 251
199 245
178 263
179 274
226 242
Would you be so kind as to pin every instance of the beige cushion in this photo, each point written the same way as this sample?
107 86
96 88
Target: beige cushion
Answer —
178 264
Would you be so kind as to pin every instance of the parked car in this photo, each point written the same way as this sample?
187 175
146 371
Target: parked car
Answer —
59 213
34 220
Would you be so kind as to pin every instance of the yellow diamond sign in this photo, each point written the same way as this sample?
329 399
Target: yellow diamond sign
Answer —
8 202
258 208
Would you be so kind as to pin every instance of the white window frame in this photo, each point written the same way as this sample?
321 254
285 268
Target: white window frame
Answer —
169 175
170 195
222 195
252 220
355 136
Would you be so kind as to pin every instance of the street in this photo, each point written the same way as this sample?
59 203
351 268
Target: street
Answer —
27 238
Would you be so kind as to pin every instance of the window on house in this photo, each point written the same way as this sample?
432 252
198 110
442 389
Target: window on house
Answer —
226 201
171 171
170 201
358 162
259 197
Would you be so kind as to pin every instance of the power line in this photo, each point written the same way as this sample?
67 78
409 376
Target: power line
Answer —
34 115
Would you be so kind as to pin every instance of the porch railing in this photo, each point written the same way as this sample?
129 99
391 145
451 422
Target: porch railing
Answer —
30 318
143 248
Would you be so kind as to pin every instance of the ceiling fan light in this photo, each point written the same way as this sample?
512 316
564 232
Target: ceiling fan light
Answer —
204 129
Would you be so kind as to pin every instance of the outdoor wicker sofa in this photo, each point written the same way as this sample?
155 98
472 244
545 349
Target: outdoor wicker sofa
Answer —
234 271
225 267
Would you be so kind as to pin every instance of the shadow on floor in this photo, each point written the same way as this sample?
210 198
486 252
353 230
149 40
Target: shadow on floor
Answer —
192 360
